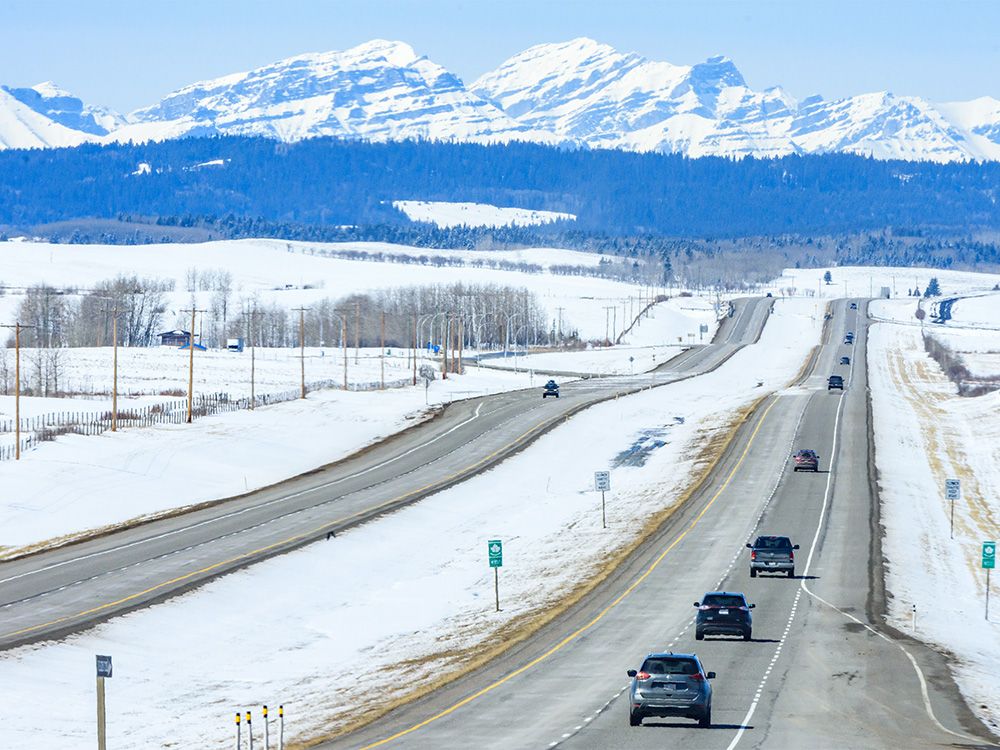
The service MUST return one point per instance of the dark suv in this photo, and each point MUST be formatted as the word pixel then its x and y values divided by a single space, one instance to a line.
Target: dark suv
pixel 772 554
pixel 835 381
pixel 670 685
pixel 723 613
pixel 550 389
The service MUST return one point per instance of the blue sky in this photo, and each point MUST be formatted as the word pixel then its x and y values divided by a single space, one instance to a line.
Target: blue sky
pixel 127 54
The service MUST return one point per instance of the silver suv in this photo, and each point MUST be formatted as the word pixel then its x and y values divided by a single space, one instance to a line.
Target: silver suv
pixel 670 685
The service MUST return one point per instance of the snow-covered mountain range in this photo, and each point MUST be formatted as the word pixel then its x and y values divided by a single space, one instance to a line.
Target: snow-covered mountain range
pixel 579 94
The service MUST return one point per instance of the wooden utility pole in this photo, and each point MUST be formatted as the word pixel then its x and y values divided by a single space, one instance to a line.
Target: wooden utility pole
pixel 414 349
pixel 343 339
pixel 114 386
pixel 194 311
pixel 382 353
pixel 445 341
pixel 461 343
pixel 357 329
pixel 251 316
pixel 17 387
pixel 302 347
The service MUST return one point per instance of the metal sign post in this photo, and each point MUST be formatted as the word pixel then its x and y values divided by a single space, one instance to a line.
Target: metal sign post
pixel 952 491
pixel 989 562
pixel 103 672
pixel 602 482
pixel 495 549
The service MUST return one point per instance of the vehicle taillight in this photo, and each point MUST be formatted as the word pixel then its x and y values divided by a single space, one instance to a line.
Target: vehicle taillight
pixel 643 676
pixel 753 554
pixel 791 555
pixel 744 609
pixel 697 677
pixel 705 607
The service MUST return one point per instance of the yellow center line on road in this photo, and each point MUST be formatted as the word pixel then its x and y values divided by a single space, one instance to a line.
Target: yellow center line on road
pixel 597 618
pixel 314 532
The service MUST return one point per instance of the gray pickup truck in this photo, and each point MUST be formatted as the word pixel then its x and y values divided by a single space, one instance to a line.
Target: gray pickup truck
pixel 772 554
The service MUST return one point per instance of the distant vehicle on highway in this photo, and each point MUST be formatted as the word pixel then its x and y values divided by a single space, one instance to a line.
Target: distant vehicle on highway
pixel 772 554
pixel 550 389
pixel 670 685
pixel 845 360
pixel 854 305
pixel 723 613
pixel 835 381
pixel 849 337
pixel 806 460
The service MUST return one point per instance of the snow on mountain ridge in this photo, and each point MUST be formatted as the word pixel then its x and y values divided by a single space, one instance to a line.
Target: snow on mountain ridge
pixel 579 92
pixel 379 90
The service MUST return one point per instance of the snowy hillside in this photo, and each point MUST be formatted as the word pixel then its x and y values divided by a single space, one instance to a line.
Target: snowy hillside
pixel 445 214
pixel 62 107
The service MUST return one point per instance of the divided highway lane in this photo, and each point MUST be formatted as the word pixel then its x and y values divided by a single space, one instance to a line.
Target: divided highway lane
pixel 811 676
pixel 66 589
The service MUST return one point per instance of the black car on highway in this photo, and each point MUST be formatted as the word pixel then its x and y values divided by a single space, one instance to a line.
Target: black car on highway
pixel 550 389
pixel 835 381
pixel 723 613
pixel 845 360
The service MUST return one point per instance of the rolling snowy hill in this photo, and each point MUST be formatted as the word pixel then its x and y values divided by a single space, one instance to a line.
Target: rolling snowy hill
pixel 577 93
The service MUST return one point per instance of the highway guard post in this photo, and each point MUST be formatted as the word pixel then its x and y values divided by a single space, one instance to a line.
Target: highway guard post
pixel 495 549
pixel 103 671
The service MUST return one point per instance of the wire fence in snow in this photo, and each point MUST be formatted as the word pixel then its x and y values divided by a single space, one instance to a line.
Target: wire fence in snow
pixel 49 426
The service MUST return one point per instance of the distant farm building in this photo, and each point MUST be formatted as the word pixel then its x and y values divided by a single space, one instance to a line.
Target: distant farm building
pixel 174 338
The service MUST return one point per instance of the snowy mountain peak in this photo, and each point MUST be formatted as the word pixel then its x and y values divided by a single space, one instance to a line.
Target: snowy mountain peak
pixel 579 91
pixel 379 90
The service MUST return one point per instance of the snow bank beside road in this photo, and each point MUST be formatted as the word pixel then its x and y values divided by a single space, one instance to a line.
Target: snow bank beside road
pixel 924 434
pixel 77 483
pixel 297 629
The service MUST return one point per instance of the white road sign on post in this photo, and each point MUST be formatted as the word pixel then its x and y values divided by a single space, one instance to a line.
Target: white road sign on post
pixel 952 491
pixel 602 482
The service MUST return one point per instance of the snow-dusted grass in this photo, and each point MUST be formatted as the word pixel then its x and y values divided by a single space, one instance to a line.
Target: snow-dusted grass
pixel 446 214
pixel 297 629
pixel 924 434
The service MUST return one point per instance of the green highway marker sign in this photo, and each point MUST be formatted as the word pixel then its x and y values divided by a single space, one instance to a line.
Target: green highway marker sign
pixel 495 548
pixel 989 555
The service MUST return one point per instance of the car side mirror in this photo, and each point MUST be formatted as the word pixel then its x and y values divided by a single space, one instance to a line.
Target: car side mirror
pixel 710 675
pixel 752 606
pixel 795 546
pixel 631 673
pixel 696 604
pixel 749 546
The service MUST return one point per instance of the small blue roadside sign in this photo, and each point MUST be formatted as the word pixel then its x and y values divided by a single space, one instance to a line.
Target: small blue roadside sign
pixel 103 666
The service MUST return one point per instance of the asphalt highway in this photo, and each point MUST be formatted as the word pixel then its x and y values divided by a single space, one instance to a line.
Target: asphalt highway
pixel 68 588
pixel 822 671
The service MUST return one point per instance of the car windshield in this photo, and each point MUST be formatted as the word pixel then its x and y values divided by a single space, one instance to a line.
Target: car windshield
pixel 723 600
pixel 772 542
pixel 662 665
pixel 806 453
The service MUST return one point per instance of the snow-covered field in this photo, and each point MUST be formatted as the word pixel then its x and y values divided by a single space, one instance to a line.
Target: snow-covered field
pixel 925 434
pixel 867 281
pixel 293 274
pixel 446 214
pixel 391 608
